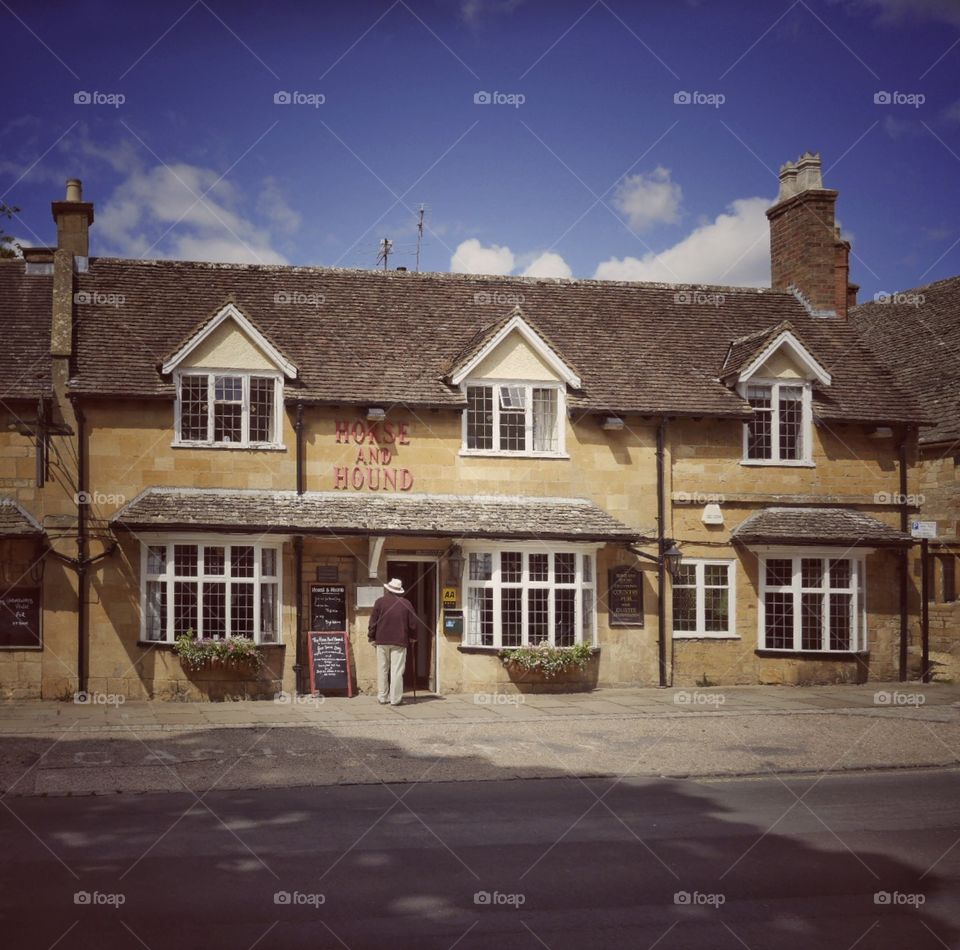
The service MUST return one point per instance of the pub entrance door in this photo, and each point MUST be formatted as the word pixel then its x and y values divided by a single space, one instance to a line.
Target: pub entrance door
pixel 419 579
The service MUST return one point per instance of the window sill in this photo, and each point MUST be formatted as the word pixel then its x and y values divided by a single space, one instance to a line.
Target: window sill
pixel 169 645
pixel 230 446
pixel 494 651
pixel 706 636
pixel 496 454
pixel 770 463
pixel 813 654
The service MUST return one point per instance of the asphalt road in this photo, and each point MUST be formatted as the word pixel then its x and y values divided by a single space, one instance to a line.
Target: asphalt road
pixel 865 861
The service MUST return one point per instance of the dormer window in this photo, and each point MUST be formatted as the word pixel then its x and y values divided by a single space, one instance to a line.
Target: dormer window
pixel 237 410
pixel 507 418
pixel 775 373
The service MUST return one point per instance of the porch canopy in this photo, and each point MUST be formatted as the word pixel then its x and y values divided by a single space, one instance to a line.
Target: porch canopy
pixel 341 513
pixel 17 522
pixel 831 526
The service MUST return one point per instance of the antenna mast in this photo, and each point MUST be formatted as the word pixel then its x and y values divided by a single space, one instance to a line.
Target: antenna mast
pixel 386 246
pixel 420 234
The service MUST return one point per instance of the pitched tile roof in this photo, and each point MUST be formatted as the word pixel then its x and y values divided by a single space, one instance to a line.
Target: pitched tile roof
pixel 26 303
pixel 917 338
pixel 373 337
pixel 16 521
pixel 834 526
pixel 340 513
pixel 743 351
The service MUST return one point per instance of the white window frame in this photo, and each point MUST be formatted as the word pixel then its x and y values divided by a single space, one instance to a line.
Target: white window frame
pixel 806 422
pixel 859 639
pixel 245 375
pixel 200 541
pixel 701 632
pixel 528 386
pixel 495 584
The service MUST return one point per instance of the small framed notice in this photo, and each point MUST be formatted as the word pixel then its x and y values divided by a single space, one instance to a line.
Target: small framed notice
pixel 20 617
pixel 328 607
pixel 625 597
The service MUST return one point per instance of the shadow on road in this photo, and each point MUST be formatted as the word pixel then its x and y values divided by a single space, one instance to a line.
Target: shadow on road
pixel 554 862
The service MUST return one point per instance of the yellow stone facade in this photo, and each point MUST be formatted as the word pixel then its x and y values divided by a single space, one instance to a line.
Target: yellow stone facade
pixel 129 446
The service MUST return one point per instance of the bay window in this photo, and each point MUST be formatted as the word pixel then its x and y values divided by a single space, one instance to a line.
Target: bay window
pixel 228 409
pixel 812 603
pixel 218 588
pixel 524 596
pixel 703 599
pixel 513 419
pixel 779 430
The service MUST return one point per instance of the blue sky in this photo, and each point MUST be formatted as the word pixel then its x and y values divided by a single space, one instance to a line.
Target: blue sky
pixel 585 165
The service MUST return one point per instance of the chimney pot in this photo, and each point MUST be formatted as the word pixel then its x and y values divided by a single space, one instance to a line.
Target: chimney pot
pixel 74 189
pixel 788 181
pixel 809 172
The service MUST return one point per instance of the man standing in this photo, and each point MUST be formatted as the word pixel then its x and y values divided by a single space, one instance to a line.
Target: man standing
pixel 393 624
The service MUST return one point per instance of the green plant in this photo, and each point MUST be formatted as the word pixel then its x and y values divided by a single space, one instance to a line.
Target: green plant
pixel 546 659
pixel 196 652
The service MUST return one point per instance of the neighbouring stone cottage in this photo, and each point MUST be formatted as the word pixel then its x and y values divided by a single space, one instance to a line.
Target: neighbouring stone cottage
pixel 698 482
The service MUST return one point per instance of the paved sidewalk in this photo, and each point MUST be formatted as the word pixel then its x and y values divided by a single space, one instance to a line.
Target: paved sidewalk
pixel 55 748
pixel 101 714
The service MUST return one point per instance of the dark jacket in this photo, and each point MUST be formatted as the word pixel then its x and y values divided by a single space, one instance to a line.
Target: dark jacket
pixel 393 621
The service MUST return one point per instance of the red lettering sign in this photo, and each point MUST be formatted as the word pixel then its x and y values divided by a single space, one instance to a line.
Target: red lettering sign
pixel 370 470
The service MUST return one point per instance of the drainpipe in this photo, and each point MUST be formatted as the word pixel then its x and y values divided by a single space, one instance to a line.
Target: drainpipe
pixel 904 562
pixel 661 566
pixel 298 552
pixel 82 547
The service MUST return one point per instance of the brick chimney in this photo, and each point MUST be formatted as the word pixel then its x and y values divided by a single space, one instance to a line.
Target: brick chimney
pixel 74 217
pixel 807 253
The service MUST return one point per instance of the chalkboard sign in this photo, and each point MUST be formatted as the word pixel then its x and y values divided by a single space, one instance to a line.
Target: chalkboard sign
pixel 20 617
pixel 328 607
pixel 329 661
pixel 625 597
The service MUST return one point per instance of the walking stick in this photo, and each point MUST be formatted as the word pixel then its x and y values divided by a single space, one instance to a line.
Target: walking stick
pixel 413 645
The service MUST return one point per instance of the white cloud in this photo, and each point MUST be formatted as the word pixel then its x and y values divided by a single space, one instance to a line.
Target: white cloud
pixel 732 249
pixel 471 257
pixel 548 264
pixel 159 212
pixel 647 200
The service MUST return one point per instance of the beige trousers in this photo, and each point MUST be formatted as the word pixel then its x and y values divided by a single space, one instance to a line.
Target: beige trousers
pixel 390 663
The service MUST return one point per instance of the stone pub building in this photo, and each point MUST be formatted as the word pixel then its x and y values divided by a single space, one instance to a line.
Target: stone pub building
pixel 701 483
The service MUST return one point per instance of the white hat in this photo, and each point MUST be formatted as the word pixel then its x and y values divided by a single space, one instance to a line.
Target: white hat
pixel 395 586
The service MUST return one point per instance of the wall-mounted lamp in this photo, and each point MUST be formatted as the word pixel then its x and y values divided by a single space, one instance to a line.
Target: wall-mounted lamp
pixel 613 424
pixel 376 414
pixel 670 557
pixel 455 562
